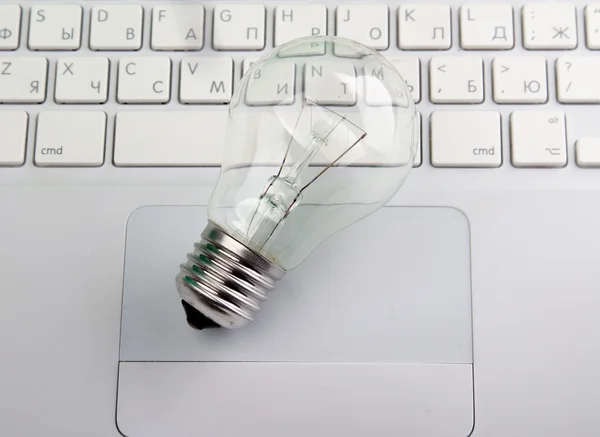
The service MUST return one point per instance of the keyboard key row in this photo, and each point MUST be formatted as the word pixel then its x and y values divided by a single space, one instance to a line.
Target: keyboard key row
pixel 63 138
pixel 209 80
pixel 243 26
pixel 171 138
pixel 473 139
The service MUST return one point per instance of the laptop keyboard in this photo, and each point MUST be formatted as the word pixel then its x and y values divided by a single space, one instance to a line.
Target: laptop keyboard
pixel 136 84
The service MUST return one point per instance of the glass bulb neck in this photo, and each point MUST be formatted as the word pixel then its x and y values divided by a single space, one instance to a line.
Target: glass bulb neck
pixel 223 281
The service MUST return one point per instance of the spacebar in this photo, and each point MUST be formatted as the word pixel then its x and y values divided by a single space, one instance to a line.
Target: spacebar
pixel 169 138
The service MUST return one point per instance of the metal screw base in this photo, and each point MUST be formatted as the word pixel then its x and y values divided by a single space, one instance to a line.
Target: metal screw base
pixel 224 281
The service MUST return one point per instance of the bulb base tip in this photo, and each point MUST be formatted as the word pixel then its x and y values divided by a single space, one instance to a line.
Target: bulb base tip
pixel 223 282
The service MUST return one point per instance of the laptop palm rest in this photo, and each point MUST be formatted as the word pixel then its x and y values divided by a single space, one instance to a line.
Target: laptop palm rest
pixel 371 335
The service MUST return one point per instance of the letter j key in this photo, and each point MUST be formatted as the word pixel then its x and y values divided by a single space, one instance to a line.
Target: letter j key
pixel 367 24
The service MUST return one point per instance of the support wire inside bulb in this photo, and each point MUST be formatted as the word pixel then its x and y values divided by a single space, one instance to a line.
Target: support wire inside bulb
pixel 284 190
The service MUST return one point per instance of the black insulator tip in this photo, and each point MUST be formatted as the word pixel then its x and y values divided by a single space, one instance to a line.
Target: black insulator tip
pixel 196 319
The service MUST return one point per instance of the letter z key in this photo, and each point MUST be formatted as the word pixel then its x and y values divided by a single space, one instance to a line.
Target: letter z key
pixel 23 79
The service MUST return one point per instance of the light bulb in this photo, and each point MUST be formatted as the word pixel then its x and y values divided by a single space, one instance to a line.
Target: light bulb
pixel 322 132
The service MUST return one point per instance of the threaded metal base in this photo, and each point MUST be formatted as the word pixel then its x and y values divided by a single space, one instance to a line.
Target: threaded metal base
pixel 224 280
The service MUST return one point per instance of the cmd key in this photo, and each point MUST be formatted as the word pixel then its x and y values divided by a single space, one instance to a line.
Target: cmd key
pixel 70 139
pixel 13 138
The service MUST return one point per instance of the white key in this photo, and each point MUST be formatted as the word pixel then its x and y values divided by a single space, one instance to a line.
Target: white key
pixel 419 156
pixel 23 80
pixel 81 80
pixel 70 138
pixel 592 26
pixel 538 139
pixel 296 21
pixel 170 138
pixel 239 27
pixel 330 82
pixel 13 125
pixel 144 80
pixel 549 26
pixel 424 27
pixel 577 79
pixel 456 79
pixel 116 27
pixel 518 79
pixel 206 80
pixel 367 24
pixel 272 84
pixel 55 27
pixel 486 26
pixel 247 64
pixel 466 139
pixel 177 27
pixel 587 152
pixel 380 90
pixel 410 70
pixel 10 26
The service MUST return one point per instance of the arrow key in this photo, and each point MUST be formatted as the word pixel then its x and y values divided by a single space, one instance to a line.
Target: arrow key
pixel 10 23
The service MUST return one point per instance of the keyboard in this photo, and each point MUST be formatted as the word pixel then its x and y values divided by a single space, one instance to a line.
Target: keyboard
pixel 133 85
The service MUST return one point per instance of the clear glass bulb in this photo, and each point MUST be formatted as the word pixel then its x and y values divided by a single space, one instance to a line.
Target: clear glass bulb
pixel 321 133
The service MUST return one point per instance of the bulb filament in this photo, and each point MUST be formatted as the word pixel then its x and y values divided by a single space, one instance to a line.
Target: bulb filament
pixel 283 192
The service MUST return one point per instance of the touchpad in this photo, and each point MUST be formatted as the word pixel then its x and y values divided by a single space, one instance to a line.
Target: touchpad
pixel 371 335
